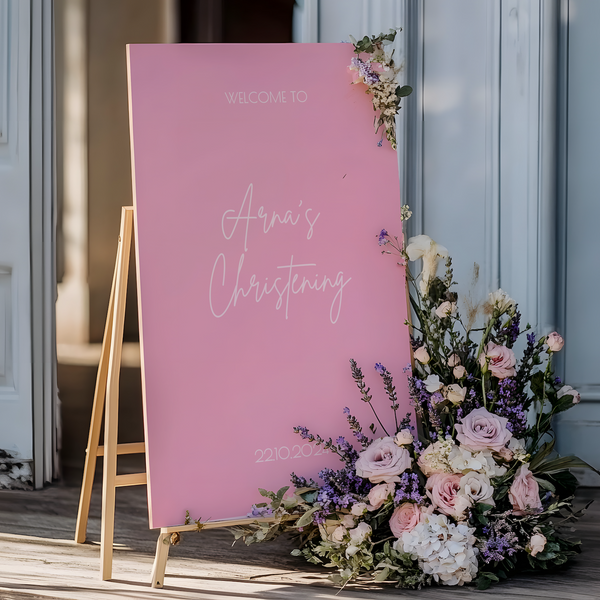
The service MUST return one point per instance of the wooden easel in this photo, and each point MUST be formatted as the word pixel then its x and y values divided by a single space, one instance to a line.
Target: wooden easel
pixel 107 395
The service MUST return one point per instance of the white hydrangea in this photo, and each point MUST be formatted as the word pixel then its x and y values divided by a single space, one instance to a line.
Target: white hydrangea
pixel 444 550
pixel 462 460
pixel 489 466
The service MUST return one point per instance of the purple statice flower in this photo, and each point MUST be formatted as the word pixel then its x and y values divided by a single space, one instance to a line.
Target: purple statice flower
pixel 433 435
pixel 500 541
pixel 531 338
pixel 346 410
pixel 418 447
pixel 513 330
pixel 383 237
pixel 380 368
pixel 365 70
pixel 510 405
pixel 264 511
pixel 340 488
pixel 407 368
pixel 557 381
pixel 408 489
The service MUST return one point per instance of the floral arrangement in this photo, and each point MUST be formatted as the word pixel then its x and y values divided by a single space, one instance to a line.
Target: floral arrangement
pixel 375 68
pixel 475 491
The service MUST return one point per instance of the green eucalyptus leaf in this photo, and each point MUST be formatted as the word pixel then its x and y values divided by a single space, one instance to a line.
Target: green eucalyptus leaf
pixel 404 91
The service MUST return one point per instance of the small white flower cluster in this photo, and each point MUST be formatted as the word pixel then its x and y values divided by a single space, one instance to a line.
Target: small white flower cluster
pixel 444 550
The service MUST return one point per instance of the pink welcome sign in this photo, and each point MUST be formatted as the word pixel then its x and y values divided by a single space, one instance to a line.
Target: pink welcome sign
pixel 259 194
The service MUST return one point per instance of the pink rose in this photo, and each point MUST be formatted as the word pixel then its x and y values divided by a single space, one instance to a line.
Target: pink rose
pixel 482 430
pixel 442 489
pixel 379 494
pixel 405 518
pixel 555 342
pixel 383 461
pixel 453 360
pixel 524 493
pixel 500 360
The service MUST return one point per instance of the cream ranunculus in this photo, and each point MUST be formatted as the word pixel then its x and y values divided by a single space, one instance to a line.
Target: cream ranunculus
pixel 404 438
pixel 360 533
pixel 453 360
pixel 455 393
pixel 422 355
pixel 536 544
pixel 445 309
pixel 359 509
pixel 459 372
pixel 422 246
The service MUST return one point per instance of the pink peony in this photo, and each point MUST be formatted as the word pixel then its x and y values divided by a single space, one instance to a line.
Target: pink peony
pixel 379 494
pixel 524 493
pixel 555 342
pixel 442 489
pixel 500 360
pixel 405 518
pixel 482 430
pixel 383 461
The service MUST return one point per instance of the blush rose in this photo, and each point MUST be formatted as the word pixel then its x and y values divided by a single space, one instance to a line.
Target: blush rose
pixel 555 342
pixel 379 495
pixel 483 430
pixel 383 461
pixel 405 518
pixel 524 493
pixel 500 360
pixel 443 490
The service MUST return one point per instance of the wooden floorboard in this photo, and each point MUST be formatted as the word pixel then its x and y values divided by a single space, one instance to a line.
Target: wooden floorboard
pixel 39 560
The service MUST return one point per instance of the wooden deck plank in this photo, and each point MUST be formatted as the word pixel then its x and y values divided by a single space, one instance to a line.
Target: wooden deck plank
pixel 38 559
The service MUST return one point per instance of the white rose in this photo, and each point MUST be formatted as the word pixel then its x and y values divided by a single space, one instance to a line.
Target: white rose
pixel 360 533
pixel 338 534
pixel 359 509
pixel 422 355
pixel 567 390
pixel 537 543
pixel 459 372
pixel 404 437
pixel 455 393
pixel 445 309
pixel 433 384
pixel 477 486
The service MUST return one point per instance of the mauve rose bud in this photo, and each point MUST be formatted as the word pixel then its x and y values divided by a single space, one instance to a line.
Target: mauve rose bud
pixel 555 342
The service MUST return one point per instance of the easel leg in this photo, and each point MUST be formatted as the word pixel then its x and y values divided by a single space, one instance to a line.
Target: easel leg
pixel 96 422
pixel 160 560
pixel 112 396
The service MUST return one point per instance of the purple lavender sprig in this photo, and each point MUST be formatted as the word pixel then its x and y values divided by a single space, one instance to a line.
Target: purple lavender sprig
pixel 390 390
pixel 358 377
